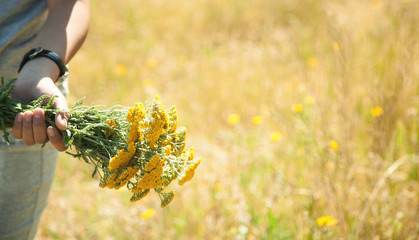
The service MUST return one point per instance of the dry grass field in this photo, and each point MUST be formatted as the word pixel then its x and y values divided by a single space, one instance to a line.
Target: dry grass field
pixel 305 114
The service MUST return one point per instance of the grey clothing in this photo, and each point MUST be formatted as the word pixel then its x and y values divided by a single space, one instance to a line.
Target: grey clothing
pixel 20 21
pixel 26 173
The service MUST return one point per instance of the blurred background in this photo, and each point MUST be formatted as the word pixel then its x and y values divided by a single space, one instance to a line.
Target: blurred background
pixel 305 115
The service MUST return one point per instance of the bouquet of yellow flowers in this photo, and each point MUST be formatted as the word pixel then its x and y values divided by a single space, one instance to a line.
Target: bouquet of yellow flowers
pixel 141 148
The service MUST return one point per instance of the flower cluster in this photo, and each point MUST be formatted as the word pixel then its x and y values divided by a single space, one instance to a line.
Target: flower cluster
pixel 153 156
pixel 141 148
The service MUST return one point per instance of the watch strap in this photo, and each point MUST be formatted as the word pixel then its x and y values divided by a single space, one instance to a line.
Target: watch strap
pixel 40 52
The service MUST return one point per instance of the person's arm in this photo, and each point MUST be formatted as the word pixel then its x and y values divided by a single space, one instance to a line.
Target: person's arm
pixel 63 32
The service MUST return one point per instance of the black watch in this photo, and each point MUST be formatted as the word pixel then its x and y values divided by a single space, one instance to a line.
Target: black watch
pixel 40 52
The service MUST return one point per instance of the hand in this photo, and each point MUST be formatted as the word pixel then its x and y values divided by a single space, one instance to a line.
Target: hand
pixel 35 80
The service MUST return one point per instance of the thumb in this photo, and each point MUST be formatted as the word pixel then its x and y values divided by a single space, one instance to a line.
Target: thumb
pixel 61 118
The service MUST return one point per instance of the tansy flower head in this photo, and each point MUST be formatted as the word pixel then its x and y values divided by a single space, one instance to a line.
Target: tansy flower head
pixel 153 163
pixel 326 221
pixel 218 186
pixel 166 198
pixel 172 119
pixel 178 141
pixel 376 111
pixel 190 172
pixel 256 120
pixel 123 157
pixel 158 123
pixel 275 136
pixel 121 70
pixel 148 213
pixel 309 100
pixel 140 195
pixel 233 119
pixel 297 107
pixel 312 62
pixel 333 145
pixel 112 124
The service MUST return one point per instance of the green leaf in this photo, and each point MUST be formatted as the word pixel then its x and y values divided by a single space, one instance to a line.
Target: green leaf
pixel 79 102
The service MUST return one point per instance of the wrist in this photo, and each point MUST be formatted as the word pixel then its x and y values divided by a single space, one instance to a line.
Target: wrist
pixel 39 68
pixel 37 53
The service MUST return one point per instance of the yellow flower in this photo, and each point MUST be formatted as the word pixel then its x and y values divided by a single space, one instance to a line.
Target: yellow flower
pixel 333 145
pixel 309 100
pixel 159 122
pixel 152 178
pixel 275 136
pixel 233 119
pixel 190 172
pixel 172 119
pixel 121 70
pixel 257 120
pixel 312 62
pixel 376 111
pixel 152 163
pixel 112 124
pixel 138 196
pixel 218 186
pixel 148 213
pixel 326 221
pixel 123 157
pixel 297 107
pixel 167 198
pixel 178 141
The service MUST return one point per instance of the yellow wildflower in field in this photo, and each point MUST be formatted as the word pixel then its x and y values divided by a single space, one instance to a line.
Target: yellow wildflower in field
pixel 376 111
pixel 233 119
pixel 121 70
pixel 333 145
pixel 148 213
pixel 256 120
pixel 275 136
pixel 312 62
pixel 326 221
pixel 297 107
pixel 218 186
pixel 309 100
